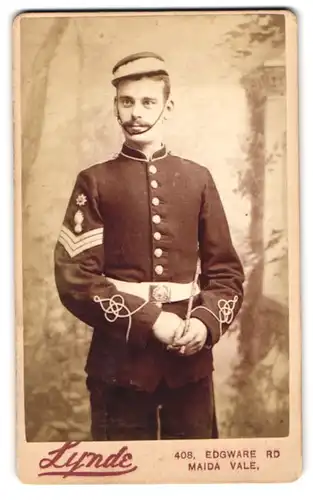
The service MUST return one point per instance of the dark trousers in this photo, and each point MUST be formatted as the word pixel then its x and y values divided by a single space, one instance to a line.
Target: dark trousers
pixel 125 413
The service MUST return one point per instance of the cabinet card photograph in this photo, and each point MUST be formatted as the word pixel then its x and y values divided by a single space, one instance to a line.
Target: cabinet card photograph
pixel 157 247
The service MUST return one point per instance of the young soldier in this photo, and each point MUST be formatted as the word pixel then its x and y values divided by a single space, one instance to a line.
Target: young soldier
pixel 126 264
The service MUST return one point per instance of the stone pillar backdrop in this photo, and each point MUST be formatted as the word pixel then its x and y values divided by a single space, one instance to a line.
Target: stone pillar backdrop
pixel 226 118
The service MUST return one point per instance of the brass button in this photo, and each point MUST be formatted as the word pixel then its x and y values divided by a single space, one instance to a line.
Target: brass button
pixel 152 169
pixel 155 201
pixel 158 270
pixel 157 236
pixel 158 252
pixel 154 184
pixel 156 219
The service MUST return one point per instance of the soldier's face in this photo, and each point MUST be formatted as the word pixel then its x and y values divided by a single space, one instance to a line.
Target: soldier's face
pixel 140 104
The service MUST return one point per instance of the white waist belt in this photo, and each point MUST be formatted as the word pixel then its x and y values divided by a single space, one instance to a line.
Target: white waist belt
pixel 157 291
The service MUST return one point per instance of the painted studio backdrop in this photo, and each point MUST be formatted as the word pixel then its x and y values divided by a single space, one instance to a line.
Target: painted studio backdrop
pixel 228 77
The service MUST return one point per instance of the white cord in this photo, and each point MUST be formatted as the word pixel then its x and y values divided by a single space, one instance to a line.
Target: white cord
pixel 115 308
pixel 225 311
pixel 117 305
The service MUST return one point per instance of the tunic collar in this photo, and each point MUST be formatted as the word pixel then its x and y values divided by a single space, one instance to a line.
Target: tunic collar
pixel 135 154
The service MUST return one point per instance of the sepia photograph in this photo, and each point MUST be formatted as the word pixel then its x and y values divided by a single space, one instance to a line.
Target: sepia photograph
pixel 154 236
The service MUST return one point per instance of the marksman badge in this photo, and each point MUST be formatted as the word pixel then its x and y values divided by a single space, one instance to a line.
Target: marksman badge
pixel 78 219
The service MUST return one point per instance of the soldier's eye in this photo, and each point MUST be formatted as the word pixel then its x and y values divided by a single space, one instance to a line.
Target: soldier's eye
pixel 126 102
pixel 148 102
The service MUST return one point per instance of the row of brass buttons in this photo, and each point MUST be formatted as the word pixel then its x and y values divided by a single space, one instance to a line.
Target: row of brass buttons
pixel 156 219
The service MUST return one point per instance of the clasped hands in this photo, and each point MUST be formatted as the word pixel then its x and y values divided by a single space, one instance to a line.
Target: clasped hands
pixel 170 330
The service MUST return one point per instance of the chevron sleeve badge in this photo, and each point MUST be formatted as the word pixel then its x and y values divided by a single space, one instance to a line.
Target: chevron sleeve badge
pixel 74 245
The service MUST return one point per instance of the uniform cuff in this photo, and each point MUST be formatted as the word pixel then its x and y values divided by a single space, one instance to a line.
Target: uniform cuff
pixel 211 325
pixel 141 332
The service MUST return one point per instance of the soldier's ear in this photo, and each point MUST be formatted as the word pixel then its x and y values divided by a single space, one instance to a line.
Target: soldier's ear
pixel 169 107
pixel 115 107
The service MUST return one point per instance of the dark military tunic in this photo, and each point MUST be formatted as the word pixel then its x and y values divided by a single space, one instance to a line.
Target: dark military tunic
pixel 145 220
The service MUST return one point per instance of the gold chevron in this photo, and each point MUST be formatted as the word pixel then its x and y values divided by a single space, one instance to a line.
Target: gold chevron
pixel 74 245
pixel 77 238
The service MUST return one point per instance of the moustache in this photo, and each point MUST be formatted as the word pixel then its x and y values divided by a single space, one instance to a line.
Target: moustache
pixel 134 123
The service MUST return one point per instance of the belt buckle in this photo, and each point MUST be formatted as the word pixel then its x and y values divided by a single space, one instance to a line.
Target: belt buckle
pixel 159 293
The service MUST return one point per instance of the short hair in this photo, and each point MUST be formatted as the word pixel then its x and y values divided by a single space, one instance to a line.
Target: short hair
pixel 155 76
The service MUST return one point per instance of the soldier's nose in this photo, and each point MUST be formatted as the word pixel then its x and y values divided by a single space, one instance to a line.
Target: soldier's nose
pixel 136 112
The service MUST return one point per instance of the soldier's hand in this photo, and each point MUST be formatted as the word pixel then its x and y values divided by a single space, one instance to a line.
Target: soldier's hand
pixel 168 327
pixel 193 339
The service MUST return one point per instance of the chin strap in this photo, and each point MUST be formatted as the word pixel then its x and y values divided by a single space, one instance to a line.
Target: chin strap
pixel 146 129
